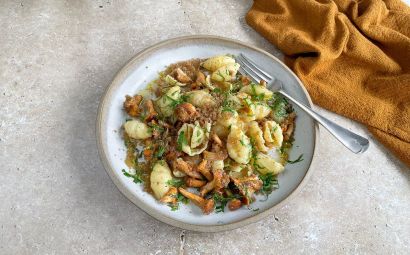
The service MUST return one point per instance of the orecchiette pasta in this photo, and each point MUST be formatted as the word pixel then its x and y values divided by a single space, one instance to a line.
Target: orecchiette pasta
pixel 201 98
pixel 171 81
pixel 193 138
pixel 261 111
pixel 272 134
pixel 160 177
pixel 255 132
pixel 198 136
pixel 266 164
pixel 227 119
pixel 165 102
pixel 253 111
pixel 212 64
pixel 234 102
pixel 137 129
pixel 248 111
pixel 257 90
pixel 208 82
pixel 225 73
pixel 238 145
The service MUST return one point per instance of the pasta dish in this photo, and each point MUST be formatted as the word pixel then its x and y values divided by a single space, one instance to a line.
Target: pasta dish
pixel 204 133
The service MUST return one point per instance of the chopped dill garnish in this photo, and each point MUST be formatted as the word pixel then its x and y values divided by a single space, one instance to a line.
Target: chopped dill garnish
pixel 299 159
pixel 182 199
pixel 175 182
pixel 156 127
pixel 254 155
pixel 176 102
pixel 136 177
pixel 254 94
pixel 174 207
pixel 217 90
pixel 286 146
pixel 270 182
pixel 160 152
pixel 279 106
pixel 228 105
pixel 181 140
pixel 142 116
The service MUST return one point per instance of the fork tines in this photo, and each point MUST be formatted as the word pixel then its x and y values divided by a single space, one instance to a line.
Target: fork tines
pixel 251 69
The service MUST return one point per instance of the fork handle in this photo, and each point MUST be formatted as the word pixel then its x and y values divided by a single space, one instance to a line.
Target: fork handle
pixel 352 141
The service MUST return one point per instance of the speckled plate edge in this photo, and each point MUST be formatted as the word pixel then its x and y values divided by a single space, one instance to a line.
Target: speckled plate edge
pixel 111 172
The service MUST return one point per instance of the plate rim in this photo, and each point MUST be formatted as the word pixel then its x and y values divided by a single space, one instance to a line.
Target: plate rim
pixel 102 112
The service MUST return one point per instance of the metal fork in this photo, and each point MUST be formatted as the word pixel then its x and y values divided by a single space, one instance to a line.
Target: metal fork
pixel 352 141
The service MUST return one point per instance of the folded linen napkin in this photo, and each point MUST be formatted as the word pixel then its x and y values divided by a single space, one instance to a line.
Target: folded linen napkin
pixel 353 56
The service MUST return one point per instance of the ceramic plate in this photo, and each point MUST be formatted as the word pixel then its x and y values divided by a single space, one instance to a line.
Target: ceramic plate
pixel 143 68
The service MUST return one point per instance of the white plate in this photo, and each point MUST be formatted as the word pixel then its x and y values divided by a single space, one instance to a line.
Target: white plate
pixel 143 68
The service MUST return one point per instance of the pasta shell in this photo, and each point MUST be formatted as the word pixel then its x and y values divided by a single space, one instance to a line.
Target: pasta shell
pixel 201 98
pixel 208 83
pixel 238 145
pixel 255 132
pixel 266 164
pixel 261 111
pixel 248 112
pixel 213 63
pixel 226 120
pixel 225 73
pixel 198 136
pixel 164 103
pixel 189 131
pixel 272 133
pixel 159 178
pixel 257 91
pixel 137 129
pixel 173 82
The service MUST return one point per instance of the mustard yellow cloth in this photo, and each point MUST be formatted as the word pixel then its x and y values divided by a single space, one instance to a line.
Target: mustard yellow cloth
pixel 352 56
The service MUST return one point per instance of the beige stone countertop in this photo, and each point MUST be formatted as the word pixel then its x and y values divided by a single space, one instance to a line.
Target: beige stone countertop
pixel 56 59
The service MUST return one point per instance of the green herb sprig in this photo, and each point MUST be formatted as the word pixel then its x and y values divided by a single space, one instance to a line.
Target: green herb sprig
pixel 181 140
pixel 159 152
pixel 299 159
pixel 136 177
pixel 175 183
pixel 176 102
pixel 278 105
pixel 222 201
pixel 270 182
pixel 180 199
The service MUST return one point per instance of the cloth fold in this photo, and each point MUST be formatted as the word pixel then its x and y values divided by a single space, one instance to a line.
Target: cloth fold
pixel 352 56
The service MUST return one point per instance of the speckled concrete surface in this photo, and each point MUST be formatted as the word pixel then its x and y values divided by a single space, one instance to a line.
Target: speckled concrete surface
pixel 56 59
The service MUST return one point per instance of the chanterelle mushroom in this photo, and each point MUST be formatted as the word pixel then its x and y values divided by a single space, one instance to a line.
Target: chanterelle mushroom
pixel 131 105
pixel 195 183
pixel 185 112
pixel 207 205
pixel 247 186
pixel 205 170
pixel 182 76
pixel 151 111
pixel 170 196
pixel 220 181
pixel 181 165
